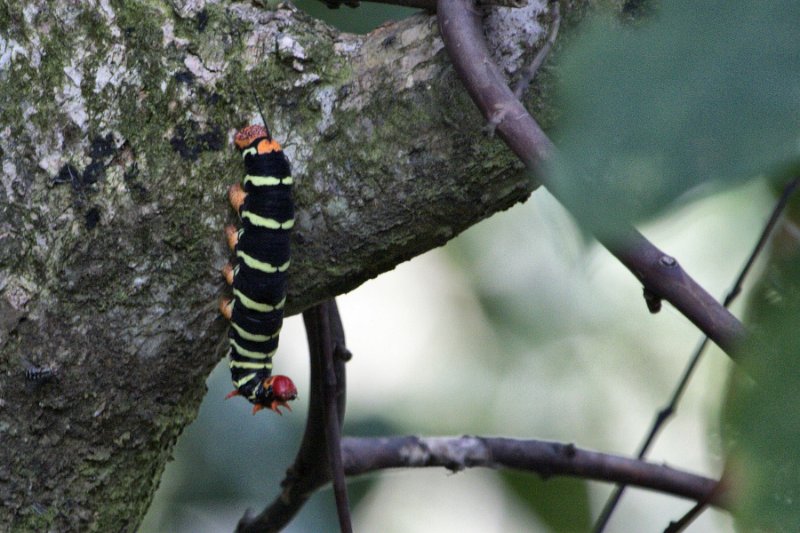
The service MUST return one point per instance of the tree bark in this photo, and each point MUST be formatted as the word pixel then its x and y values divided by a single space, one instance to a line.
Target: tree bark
pixel 116 122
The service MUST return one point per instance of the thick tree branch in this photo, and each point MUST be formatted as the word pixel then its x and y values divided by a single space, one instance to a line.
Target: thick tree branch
pixel 661 275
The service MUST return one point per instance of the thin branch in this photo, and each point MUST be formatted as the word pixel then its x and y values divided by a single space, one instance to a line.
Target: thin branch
pixel 333 421
pixel 529 73
pixel 311 468
pixel 667 412
pixel 780 205
pixel 696 510
pixel 363 455
pixel 461 30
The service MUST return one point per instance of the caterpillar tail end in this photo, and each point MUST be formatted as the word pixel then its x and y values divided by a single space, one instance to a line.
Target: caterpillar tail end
pixel 234 392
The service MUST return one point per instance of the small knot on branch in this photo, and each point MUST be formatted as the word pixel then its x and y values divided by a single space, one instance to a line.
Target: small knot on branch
pixel 652 300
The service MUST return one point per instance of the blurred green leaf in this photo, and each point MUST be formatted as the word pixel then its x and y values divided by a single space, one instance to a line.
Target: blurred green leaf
pixel 707 92
pixel 763 411
pixel 560 503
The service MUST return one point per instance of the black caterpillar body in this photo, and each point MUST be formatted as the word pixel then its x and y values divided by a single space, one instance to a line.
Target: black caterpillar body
pixel 258 275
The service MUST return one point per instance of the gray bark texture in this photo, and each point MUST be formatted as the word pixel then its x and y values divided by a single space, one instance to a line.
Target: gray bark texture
pixel 116 121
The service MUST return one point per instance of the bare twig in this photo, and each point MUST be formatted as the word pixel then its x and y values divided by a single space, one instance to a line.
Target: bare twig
pixel 333 421
pixel 661 274
pixel 529 73
pixel 665 413
pixel 780 205
pixel 311 467
pixel 363 455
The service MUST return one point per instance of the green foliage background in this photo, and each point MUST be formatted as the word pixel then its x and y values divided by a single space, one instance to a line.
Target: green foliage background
pixel 706 94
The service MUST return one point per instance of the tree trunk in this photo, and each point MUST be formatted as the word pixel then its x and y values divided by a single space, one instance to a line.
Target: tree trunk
pixel 116 122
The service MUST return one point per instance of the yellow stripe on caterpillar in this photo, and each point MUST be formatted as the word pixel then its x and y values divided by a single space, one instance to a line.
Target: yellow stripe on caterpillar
pixel 246 335
pixel 269 223
pixel 244 380
pixel 250 354
pixel 257 306
pixel 261 265
pixel 260 181
pixel 248 151
pixel 248 364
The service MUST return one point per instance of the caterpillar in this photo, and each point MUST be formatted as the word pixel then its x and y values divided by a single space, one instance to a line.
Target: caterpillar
pixel 40 375
pixel 258 275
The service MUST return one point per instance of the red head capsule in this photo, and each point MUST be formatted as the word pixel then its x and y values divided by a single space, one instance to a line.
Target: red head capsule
pixel 245 136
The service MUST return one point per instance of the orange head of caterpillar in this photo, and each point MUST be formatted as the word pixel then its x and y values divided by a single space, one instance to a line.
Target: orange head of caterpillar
pixel 247 137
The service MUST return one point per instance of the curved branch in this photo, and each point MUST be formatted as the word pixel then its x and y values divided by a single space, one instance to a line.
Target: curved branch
pixel 334 387
pixel 363 455
pixel 661 275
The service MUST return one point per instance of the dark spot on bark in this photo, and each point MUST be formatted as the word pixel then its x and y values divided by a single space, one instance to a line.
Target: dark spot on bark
pixel 202 20
pixel 102 147
pixel 92 217
pixel 131 178
pixel 184 76
pixel 68 174
pixel 345 90
pixel 213 98
pixel 94 172
pixel 190 143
